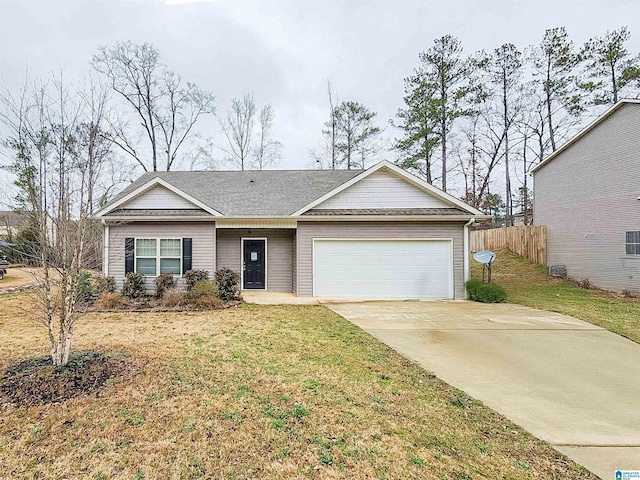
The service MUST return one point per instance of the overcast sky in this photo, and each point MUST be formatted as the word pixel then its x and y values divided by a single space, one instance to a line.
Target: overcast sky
pixel 284 51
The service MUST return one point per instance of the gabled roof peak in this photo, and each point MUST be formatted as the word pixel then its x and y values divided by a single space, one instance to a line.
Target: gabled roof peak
pixel 614 108
pixel 260 193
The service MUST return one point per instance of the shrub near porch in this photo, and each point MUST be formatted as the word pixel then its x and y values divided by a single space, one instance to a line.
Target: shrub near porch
pixel 257 392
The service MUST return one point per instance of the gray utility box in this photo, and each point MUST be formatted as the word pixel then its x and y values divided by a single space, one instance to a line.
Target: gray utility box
pixel 558 271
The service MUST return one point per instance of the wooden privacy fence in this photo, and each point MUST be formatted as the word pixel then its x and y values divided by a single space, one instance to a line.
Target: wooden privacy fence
pixel 528 241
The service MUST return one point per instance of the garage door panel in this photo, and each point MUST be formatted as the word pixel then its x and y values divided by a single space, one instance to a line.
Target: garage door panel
pixel 382 268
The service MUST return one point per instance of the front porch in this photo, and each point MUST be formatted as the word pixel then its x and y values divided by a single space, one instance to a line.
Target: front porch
pixel 265 257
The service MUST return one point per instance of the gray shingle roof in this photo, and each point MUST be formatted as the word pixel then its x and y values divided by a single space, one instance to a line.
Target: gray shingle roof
pixel 14 219
pixel 252 193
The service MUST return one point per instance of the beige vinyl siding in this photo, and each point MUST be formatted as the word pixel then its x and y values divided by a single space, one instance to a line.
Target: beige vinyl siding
pixel 588 199
pixel 159 198
pixel 279 254
pixel 382 189
pixel 203 237
pixel 307 231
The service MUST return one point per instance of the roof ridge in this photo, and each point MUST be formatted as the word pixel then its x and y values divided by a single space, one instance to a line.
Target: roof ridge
pixel 341 170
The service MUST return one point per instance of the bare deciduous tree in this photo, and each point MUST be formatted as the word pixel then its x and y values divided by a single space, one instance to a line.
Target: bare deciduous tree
pixel 330 130
pixel 55 137
pixel 166 107
pixel 246 149
pixel 267 150
pixel 237 127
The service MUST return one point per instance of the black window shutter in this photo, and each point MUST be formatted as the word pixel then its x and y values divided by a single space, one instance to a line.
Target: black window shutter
pixel 129 251
pixel 186 255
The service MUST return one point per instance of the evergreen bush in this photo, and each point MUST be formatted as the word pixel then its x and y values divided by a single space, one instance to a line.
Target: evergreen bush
pixel 228 283
pixel 133 286
pixel 485 292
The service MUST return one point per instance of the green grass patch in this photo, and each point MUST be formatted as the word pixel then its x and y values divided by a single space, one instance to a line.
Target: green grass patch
pixel 528 284
pixel 288 392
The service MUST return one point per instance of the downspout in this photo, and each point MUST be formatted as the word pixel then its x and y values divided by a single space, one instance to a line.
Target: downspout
pixel 467 254
pixel 105 247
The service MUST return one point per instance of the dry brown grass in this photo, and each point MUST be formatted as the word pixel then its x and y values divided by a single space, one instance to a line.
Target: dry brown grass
pixel 109 301
pixel 21 276
pixel 257 392
pixel 174 298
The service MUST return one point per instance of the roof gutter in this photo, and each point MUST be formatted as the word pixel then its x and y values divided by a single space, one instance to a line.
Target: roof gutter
pixel 105 242
pixel 394 218
pixel 150 218
pixel 306 218
pixel 467 254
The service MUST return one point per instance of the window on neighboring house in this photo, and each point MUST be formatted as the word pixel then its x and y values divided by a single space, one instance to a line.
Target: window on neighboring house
pixel 154 256
pixel 633 243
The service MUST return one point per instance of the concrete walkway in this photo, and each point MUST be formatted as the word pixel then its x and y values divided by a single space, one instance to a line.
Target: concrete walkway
pixel 268 297
pixel 568 382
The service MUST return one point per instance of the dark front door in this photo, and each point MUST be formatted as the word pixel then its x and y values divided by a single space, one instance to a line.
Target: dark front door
pixel 254 264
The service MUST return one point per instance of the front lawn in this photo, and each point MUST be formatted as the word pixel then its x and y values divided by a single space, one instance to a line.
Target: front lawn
pixel 529 284
pixel 255 392
pixel 18 277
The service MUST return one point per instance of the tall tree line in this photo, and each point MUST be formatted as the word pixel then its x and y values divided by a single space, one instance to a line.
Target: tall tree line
pixel 467 117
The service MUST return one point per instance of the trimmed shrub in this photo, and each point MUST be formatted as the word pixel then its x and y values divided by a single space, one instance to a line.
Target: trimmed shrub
pixel 133 286
pixel 104 285
pixel 204 294
pixel 485 292
pixel 109 301
pixel 174 298
pixel 164 282
pixel 193 276
pixel 228 283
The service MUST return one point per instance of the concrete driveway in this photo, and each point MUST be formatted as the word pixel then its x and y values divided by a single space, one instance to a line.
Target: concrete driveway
pixel 568 382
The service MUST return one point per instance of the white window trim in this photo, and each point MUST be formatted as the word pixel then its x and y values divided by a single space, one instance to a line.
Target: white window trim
pixel 626 244
pixel 157 255
pixel 266 263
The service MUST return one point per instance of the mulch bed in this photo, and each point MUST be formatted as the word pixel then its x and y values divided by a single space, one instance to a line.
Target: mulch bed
pixel 36 381
pixel 154 305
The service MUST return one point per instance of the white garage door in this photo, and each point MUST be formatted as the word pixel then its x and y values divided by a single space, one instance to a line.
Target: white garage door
pixel 383 268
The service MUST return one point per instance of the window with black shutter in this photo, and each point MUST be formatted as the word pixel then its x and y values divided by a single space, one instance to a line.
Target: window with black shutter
pixel 154 256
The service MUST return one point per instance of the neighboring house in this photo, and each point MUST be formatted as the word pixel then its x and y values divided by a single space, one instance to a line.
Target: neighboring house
pixel 376 233
pixel 587 193
pixel 12 222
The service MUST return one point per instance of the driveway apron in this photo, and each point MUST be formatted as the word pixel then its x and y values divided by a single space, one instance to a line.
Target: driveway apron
pixel 568 382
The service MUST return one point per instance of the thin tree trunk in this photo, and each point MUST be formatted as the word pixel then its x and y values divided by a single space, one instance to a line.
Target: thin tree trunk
pixel 614 84
pixel 507 178
pixel 443 126
pixel 525 196
pixel 427 157
pixel 549 120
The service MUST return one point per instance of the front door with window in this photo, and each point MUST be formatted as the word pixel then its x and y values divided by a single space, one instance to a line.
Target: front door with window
pixel 254 263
